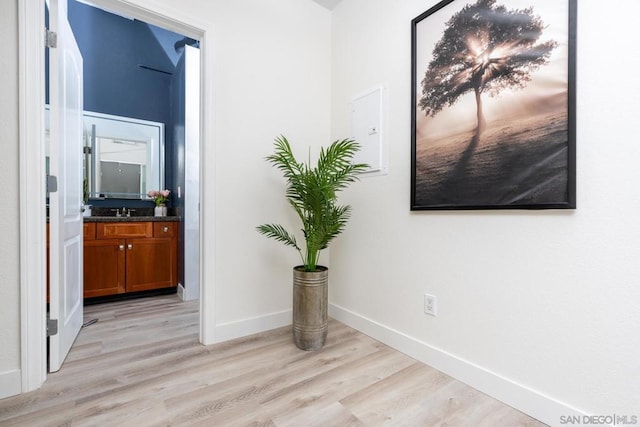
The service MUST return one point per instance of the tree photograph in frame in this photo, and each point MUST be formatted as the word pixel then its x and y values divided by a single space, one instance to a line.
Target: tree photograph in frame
pixel 493 105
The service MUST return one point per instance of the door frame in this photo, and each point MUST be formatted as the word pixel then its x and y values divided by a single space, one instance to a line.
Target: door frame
pixel 32 179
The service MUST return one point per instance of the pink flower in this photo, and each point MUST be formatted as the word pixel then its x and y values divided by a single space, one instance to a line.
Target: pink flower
pixel 160 197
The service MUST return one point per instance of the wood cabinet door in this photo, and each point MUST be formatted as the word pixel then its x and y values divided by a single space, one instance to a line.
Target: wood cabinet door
pixel 104 267
pixel 151 263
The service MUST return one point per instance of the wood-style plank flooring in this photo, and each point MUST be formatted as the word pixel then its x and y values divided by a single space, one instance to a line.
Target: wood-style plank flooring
pixel 141 365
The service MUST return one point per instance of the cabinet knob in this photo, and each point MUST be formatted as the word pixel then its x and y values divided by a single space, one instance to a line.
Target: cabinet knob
pixel 130 246
pixel 165 229
pixel 121 247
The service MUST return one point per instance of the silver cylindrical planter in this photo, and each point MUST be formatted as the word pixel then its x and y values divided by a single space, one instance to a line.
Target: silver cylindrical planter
pixel 310 301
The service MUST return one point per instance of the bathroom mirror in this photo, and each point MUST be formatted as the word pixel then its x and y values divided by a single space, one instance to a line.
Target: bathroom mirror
pixel 123 157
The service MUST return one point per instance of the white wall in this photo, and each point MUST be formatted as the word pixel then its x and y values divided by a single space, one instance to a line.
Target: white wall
pixel 538 308
pixel 9 211
pixel 273 78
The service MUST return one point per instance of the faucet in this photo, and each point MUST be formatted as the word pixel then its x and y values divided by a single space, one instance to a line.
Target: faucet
pixel 124 212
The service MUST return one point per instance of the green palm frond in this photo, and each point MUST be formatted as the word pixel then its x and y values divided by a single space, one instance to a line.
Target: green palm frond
pixel 279 233
pixel 312 192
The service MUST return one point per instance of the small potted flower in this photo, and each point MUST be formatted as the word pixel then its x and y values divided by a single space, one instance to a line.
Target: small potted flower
pixel 160 198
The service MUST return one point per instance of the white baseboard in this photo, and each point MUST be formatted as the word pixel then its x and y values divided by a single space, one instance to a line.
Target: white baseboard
pixel 254 325
pixel 531 402
pixel 10 383
pixel 187 294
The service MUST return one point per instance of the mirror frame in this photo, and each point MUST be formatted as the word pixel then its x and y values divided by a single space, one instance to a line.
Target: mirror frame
pixel 118 121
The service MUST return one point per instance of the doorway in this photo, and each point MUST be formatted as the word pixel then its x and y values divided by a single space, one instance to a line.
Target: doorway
pixel 32 192
pixel 135 71
pixel 142 82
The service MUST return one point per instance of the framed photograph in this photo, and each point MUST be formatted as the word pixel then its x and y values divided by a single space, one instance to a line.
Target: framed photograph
pixel 493 105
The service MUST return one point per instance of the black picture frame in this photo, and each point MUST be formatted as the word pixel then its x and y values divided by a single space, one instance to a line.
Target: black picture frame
pixel 493 105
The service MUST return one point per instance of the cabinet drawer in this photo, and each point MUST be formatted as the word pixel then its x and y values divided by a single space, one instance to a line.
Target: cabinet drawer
pixel 123 230
pixel 89 230
pixel 164 229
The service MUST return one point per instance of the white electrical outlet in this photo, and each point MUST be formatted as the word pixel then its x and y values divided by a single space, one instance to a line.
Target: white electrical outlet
pixel 430 306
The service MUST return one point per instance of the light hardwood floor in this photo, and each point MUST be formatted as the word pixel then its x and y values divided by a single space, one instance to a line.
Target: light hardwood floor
pixel 141 365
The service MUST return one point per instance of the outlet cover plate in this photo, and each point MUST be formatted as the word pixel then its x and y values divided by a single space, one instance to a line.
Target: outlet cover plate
pixel 430 304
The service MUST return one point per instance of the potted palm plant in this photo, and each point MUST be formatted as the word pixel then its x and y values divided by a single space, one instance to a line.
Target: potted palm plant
pixel 312 192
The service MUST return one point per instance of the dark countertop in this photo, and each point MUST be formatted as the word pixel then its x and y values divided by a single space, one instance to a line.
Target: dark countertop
pixel 130 218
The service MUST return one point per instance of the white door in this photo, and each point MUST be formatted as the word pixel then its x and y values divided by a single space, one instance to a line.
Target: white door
pixel 65 217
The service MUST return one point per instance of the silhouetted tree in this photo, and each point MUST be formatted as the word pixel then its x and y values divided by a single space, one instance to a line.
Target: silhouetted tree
pixel 484 48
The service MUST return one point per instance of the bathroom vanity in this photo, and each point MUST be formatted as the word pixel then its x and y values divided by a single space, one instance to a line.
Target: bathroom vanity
pixel 125 250
pixel 123 255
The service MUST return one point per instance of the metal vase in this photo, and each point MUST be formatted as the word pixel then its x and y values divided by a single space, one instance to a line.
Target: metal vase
pixel 310 301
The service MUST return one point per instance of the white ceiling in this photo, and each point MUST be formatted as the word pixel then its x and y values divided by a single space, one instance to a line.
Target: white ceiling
pixel 329 4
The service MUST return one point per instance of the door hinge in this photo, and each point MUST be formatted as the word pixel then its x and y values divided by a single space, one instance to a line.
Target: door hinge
pixel 50 39
pixel 52 327
pixel 52 183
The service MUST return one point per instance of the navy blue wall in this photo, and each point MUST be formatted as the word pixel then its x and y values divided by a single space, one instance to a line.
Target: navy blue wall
pixel 114 49
pixel 126 71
